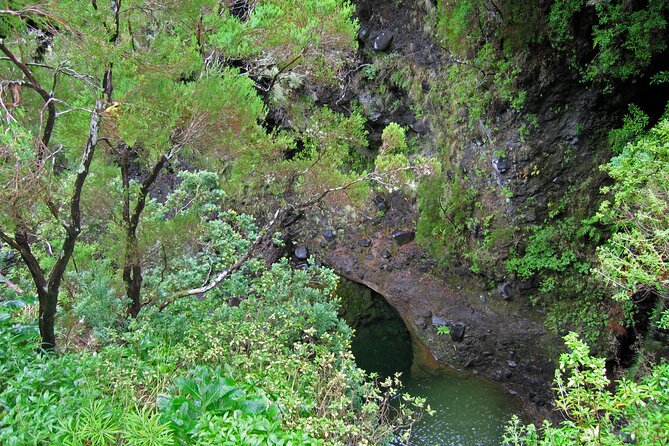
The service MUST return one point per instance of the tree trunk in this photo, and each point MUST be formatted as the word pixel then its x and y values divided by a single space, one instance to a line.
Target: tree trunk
pixel 132 276
pixel 47 319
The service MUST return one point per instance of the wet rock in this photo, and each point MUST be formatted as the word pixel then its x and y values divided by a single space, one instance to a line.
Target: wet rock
pixel 505 290
pixel 364 243
pixel 457 331
pixel 386 254
pixel 511 364
pixel 363 33
pixel 402 237
pixel 329 235
pixel 497 375
pixel 439 321
pixel 301 253
pixel 500 165
pixel 382 41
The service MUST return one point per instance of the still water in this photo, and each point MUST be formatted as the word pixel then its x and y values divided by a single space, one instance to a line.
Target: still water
pixel 469 411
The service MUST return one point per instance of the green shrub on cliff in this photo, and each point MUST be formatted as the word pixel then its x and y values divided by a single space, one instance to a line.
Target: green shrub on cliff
pixel 626 36
pixel 595 414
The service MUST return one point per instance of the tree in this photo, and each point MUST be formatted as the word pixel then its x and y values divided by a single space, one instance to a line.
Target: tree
pixel 25 166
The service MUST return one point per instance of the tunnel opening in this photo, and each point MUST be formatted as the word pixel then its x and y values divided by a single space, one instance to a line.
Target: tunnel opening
pixel 382 343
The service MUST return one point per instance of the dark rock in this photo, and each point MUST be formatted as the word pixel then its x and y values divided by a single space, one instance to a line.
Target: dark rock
pixel 386 254
pixel 500 165
pixel 487 354
pixel 505 290
pixel 381 203
pixel 425 86
pixel 420 127
pixel 364 243
pixel 382 41
pixel 497 375
pixel 302 265
pixel 403 237
pixel 424 314
pixel 301 253
pixel 457 331
pixel 329 235
pixel 361 275
pixel 511 364
pixel 234 301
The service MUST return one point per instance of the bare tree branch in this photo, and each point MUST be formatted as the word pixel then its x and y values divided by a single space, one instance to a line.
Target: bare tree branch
pixel 48 98
pixel 271 224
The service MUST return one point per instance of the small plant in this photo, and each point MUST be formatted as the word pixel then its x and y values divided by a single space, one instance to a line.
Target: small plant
pixel 444 330
pixel 507 192
pixel 499 154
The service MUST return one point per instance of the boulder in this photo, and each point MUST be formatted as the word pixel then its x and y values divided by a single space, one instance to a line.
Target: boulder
pixel 301 253
pixel 505 290
pixel 457 331
pixel 382 41
pixel 402 237
pixel 500 165
pixel 329 235
pixel 364 243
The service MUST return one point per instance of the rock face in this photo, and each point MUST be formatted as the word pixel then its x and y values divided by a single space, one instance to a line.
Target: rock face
pixel 484 333
pixel 497 333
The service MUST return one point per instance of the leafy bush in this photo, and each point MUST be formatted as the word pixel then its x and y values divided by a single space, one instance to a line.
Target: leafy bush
pixel 594 414
pixel 626 36
pixel 635 257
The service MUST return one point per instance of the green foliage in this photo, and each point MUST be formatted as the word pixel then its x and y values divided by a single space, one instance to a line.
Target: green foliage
pixel 443 330
pixel 635 257
pixel 393 139
pixel 625 38
pixel 594 414
pixel 446 207
pixel 556 258
pixel 313 32
pixel 465 24
pixel 215 370
pixel 98 303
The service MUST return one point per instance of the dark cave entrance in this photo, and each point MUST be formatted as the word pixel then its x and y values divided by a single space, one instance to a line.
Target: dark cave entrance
pixel 382 343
